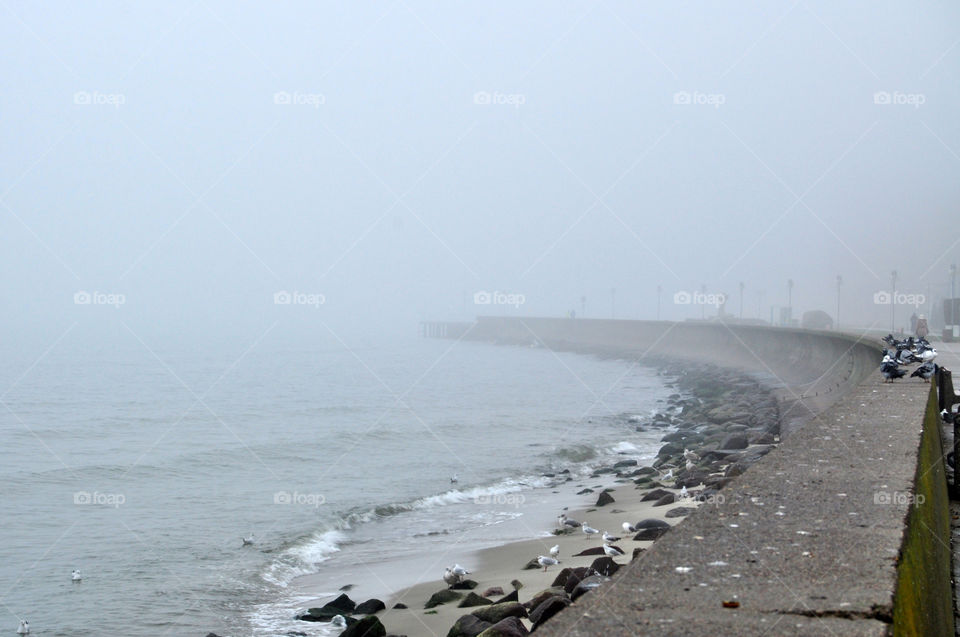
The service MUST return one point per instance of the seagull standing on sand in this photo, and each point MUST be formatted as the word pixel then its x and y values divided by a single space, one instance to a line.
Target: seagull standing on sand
pixel 628 528
pixel 545 561
pixel 555 550
pixel 75 576
pixel 459 571
pixel 24 628
pixel 589 530
pixel 609 538
pixel 612 551
pixel 450 577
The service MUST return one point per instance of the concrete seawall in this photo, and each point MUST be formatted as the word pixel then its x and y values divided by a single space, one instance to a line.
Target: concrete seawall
pixel 842 530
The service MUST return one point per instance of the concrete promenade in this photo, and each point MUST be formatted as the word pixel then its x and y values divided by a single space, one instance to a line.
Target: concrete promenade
pixel 842 530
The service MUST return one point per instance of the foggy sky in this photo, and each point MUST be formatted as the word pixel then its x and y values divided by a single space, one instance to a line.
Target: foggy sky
pixel 397 158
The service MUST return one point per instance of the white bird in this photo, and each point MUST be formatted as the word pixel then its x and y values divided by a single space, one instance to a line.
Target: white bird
pixel 450 577
pixel 247 541
pixel 589 530
pixel 454 479
pixel 565 521
pixel 24 628
pixel 555 550
pixel 545 561
pixel 690 466
pixel 667 476
pixel 690 455
pixel 459 571
pixel 75 576
pixel 683 493
pixel 338 621
pixel 609 538
pixel 928 355
pixel 612 551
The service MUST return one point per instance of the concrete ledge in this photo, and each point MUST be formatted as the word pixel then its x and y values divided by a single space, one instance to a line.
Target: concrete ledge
pixel 825 535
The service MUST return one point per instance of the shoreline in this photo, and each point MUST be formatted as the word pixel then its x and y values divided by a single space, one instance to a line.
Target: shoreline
pixel 710 408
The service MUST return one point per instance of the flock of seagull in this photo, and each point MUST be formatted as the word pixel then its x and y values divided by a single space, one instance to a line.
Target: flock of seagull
pixel 905 352
pixel 24 627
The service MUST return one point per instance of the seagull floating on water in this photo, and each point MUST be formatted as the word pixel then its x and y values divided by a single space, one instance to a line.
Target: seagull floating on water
pixel 555 550
pixel 454 479
pixel 612 551
pixel 338 621
pixel 75 576
pixel 609 538
pixel 24 628
pixel 545 561
pixel 247 541
pixel 589 530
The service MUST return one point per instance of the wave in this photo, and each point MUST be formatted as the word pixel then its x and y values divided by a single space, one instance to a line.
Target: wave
pixel 303 556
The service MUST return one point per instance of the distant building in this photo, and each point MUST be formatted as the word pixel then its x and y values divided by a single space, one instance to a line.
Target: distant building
pixel 816 320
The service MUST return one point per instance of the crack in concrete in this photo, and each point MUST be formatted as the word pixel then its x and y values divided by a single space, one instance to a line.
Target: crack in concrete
pixel 882 613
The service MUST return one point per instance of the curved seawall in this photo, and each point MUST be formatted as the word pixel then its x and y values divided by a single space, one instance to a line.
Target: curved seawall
pixel 841 530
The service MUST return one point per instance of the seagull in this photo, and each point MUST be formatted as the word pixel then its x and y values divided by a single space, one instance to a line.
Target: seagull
pixel 450 577
pixel 690 466
pixel 628 528
pixel 684 493
pixel 589 530
pixel 611 551
pixel 609 538
pixel 555 550
pixel 454 479
pixel 928 355
pixel 75 576
pixel 545 561
pixel 925 371
pixel 247 541
pixel 565 521
pixel 690 455
pixel 667 476
pixel 459 571
pixel 24 628
pixel 338 621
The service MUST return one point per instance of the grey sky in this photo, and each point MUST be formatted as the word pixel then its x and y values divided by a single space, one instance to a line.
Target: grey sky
pixel 432 150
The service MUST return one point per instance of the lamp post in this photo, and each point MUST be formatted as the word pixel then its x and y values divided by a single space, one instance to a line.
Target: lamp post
pixel 741 300
pixel 659 292
pixel 893 301
pixel 839 283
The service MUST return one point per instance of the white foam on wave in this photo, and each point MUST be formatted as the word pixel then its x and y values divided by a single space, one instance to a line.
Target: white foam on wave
pixel 625 447
pixel 303 557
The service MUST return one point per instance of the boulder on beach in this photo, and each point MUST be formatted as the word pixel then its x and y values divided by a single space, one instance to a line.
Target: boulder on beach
pixel 655 494
pixel 604 499
pixel 369 626
pixel 512 596
pixel 735 441
pixel 625 463
pixel 605 566
pixel 468 626
pixel 669 498
pixel 652 533
pixel 369 607
pixel 565 573
pixel 531 564
pixel 544 595
pixel 472 599
pixel 650 523
pixel 493 591
pixel 548 608
pixel 507 627
pixel 576 577
pixel 442 597
pixel 496 612
pixel 593 550
pixel 400 606
pixel 679 512
pixel 465 585
pixel 586 585
pixel 344 603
